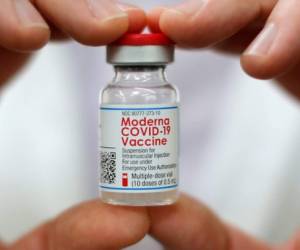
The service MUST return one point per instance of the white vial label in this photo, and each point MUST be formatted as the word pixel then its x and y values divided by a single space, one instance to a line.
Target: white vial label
pixel 138 148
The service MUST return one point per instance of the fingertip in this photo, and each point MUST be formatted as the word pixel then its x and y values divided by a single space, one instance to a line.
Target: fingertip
pixel 172 23
pixel 137 20
pixel 176 25
pixel 260 67
pixel 186 32
pixel 95 33
pixel 10 63
pixel 95 225
pixel 153 17
pixel 90 22
pixel 39 38
pixel 136 17
pixel 188 219
pixel 135 223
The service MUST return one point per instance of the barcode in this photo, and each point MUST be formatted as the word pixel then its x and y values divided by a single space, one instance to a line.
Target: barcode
pixel 108 167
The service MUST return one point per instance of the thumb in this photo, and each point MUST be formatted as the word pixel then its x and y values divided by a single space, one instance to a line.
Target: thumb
pixel 10 63
pixel 89 226
pixel 201 23
pixel 190 225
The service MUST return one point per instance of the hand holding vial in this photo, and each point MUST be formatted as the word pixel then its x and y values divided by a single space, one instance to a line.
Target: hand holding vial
pixel 264 32
pixel 227 25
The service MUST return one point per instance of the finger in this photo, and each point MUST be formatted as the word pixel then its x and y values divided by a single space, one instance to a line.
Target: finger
pixel 137 22
pixel 239 240
pixel 237 43
pixel 196 23
pixel 290 81
pixel 10 63
pixel 190 225
pixel 2 247
pixel 187 225
pixel 90 226
pixel 277 48
pixel 22 28
pixel 137 17
pixel 35 240
pixel 91 22
pixel 153 18
pixel 57 34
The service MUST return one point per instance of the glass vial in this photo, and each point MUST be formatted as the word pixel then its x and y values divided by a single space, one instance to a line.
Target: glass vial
pixel 139 124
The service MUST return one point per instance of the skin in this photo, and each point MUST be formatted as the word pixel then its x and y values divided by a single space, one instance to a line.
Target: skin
pixel 89 226
pixel 236 26
pixel 17 41
pixel 94 225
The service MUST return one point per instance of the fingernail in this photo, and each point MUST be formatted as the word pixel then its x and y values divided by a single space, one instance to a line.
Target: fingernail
pixel 263 42
pixel 105 9
pixel 28 15
pixel 190 7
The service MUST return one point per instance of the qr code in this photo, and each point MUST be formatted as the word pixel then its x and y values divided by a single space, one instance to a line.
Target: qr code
pixel 108 167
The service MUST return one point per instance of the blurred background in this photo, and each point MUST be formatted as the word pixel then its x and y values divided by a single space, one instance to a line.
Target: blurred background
pixel 239 154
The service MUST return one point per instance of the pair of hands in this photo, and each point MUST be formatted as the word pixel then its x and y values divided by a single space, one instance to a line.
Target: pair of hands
pixel 227 25
pixel 187 225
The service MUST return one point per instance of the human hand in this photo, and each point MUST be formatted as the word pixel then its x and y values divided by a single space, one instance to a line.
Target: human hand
pixel 231 25
pixel 89 226
pixel 27 25
pixel 185 225
pixel 189 224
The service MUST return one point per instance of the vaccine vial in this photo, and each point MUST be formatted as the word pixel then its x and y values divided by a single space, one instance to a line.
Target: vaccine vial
pixel 139 124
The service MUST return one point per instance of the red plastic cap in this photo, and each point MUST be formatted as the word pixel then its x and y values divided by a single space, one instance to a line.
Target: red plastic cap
pixel 144 40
